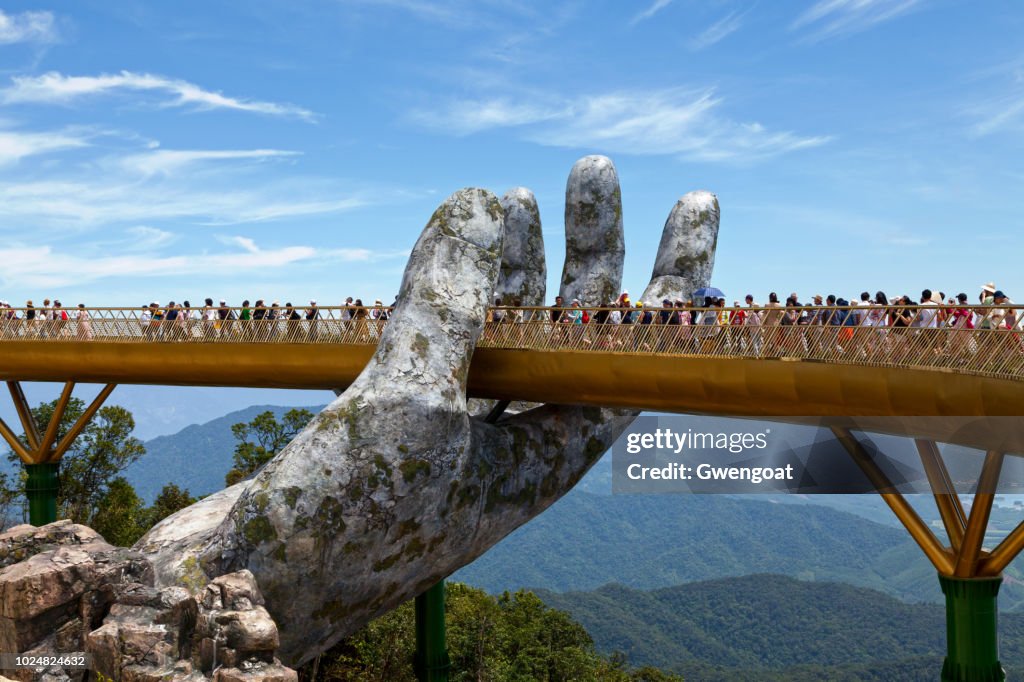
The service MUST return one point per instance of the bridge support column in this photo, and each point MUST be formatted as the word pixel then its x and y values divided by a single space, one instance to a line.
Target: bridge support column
pixel 41 487
pixel 432 662
pixel 971 629
pixel 41 451
pixel 969 576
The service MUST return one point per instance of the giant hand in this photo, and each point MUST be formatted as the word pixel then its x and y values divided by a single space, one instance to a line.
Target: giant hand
pixel 394 485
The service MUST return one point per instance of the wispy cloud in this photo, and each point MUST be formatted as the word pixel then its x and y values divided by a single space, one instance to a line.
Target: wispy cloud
pixel 717 31
pixel 466 117
pixel 27 27
pixel 57 88
pixel 84 203
pixel 16 145
pixel 463 14
pixel 999 107
pixel 167 161
pixel 140 257
pixel 832 18
pixel 997 114
pixel 653 9
pixel 104 187
pixel 678 122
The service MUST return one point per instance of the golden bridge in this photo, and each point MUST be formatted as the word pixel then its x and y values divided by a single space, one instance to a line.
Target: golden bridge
pixel 769 370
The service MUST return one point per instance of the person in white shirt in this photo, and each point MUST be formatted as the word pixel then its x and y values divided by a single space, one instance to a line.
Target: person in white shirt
pixel 144 320
pixel 928 314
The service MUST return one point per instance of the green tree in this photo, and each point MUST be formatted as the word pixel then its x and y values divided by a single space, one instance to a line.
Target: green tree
pixel 261 439
pixel 12 501
pixel 513 638
pixel 122 517
pixel 170 499
pixel 101 452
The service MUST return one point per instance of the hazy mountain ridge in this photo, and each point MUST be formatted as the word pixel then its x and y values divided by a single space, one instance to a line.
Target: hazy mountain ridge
pixel 758 624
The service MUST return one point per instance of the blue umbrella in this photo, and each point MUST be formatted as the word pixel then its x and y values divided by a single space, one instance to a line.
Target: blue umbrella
pixel 709 291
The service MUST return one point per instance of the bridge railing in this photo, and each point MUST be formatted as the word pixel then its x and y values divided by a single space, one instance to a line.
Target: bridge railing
pixel 985 340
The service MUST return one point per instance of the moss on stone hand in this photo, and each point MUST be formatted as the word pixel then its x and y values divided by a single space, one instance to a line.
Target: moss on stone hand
pixel 411 468
pixel 291 496
pixel 420 345
pixel 258 530
pixel 192 577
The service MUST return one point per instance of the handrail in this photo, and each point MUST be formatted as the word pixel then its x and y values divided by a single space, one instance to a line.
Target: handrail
pixel 988 341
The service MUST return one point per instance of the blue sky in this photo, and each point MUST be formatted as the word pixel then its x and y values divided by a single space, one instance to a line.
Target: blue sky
pixel 295 149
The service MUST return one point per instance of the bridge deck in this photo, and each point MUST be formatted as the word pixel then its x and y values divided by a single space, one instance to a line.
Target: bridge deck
pixel 728 370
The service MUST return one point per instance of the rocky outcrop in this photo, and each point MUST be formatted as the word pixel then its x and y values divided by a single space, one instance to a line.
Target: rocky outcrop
pixel 72 593
pixel 61 588
pixel 223 632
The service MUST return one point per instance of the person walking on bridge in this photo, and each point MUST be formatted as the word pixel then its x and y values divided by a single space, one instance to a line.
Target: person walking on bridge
pixel 312 315
pixel 226 316
pixel 209 317
pixel 84 325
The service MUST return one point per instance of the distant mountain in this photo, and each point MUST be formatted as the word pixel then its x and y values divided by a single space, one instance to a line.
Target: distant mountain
pixel 196 458
pixel 164 410
pixel 761 626
pixel 650 541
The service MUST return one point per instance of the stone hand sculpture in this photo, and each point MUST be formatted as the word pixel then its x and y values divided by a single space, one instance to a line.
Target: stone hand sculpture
pixel 394 485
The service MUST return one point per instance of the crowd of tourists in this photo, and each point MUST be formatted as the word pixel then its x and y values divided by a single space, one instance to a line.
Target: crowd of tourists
pixel 353 320
pixel 179 320
pixel 992 310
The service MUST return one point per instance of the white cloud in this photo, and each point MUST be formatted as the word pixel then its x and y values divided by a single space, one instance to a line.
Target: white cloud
pixel 467 14
pixel 671 121
pixel 998 103
pixel 653 9
pixel 27 27
pixel 167 161
pixel 48 266
pixel 717 31
pixel 467 117
pixel 146 237
pixel 15 145
pixel 57 88
pixel 831 18
pixel 998 114
pixel 82 202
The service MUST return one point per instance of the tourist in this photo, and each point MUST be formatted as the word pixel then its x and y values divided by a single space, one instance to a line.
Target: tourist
pixel 84 326
pixel 312 317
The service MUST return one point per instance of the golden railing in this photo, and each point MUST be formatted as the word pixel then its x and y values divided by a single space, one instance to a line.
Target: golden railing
pixel 867 336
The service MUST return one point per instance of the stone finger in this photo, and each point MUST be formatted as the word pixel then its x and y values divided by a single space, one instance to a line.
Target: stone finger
pixel 523 274
pixel 686 255
pixel 594 245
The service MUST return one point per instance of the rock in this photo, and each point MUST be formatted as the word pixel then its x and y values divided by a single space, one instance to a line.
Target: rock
pixel 166 633
pixel 21 542
pixel 267 673
pixel 236 587
pixel 250 632
pixel 42 593
pixel 594 244
pixel 523 273
pixel 686 256
pixel 68 637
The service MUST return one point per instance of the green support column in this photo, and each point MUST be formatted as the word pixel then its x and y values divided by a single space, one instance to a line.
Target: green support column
pixel 971 634
pixel 42 484
pixel 432 662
